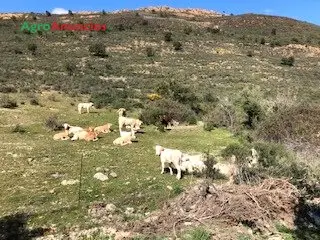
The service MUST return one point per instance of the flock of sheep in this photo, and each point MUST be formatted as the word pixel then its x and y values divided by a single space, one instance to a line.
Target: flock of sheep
pixel 171 158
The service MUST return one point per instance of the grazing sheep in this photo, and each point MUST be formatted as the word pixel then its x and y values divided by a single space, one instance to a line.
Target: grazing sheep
pixel 168 157
pixel 72 129
pixel 88 135
pixel 193 163
pixel 124 140
pixel 230 170
pixel 62 135
pixel 103 129
pixel 86 106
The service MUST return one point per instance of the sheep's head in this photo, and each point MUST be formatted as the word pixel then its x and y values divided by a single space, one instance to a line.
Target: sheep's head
pixel 121 111
pixel 66 126
pixel 91 105
pixel 159 149
pixel 90 129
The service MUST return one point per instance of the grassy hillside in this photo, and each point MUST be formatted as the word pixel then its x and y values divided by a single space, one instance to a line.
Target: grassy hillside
pixel 209 60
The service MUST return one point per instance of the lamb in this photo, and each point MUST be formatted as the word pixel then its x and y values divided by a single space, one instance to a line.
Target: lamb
pixel 88 135
pixel 124 140
pixel 86 106
pixel 192 163
pixel 103 129
pixel 72 129
pixel 228 169
pixel 168 157
pixel 62 135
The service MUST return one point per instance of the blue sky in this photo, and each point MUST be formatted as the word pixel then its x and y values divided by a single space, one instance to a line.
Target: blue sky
pixel 306 10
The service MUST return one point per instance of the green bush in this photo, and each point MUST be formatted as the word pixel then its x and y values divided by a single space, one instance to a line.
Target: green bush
pixel 221 115
pixel 168 36
pixel 288 61
pixel 199 234
pixel 163 111
pixel 53 123
pixel 8 89
pixel 70 68
pixel 150 51
pixel 18 129
pixel 254 113
pixel 262 41
pixel 7 102
pixel 177 45
pixel 98 49
pixel 241 151
pixel 34 101
pixel 187 30
pixel 32 47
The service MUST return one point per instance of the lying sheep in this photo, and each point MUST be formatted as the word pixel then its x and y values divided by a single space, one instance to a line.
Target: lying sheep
pixel 125 121
pixel 72 129
pixel 86 106
pixel 62 135
pixel 103 129
pixel 168 157
pixel 193 163
pixel 124 140
pixel 88 135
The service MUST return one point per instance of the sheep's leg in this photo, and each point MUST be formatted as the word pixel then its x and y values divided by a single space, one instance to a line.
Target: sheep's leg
pixel 88 110
pixel 179 173
pixel 171 172
pixel 79 110
pixel 162 167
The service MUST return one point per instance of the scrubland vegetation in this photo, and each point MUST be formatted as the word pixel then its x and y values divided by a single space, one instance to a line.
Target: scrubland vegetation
pixel 247 81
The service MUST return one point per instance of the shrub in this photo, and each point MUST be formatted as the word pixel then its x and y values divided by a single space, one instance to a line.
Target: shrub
pixel 262 41
pixel 150 51
pixel 177 46
pixel 53 98
pixel 254 114
pixel 164 110
pixel 213 29
pixel 8 89
pixel 70 13
pixel 274 31
pixel 18 129
pixel 222 115
pixel 250 54
pixel 32 47
pixel 168 36
pixel 70 68
pixel 288 61
pixel 48 13
pixel 17 51
pixel 187 30
pixel 7 102
pixel 98 49
pixel 34 101
pixel 241 151
pixel 103 12
pixel 153 96
pixel 53 123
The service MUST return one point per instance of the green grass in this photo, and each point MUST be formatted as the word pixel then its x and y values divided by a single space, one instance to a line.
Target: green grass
pixel 30 158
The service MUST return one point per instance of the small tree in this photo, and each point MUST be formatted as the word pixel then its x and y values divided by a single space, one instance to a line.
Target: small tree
pixel 289 61
pixel 32 47
pixel 150 51
pixel 48 13
pixel 168 36
pixel 177 46
pixel 104 12
pixel 98 49
pixel 70 12
pixel 274 31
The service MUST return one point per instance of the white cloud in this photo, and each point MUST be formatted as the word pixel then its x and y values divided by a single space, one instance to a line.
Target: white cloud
pixel 59 11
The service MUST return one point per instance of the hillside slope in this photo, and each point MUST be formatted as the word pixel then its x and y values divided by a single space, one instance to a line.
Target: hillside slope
pixel 219 53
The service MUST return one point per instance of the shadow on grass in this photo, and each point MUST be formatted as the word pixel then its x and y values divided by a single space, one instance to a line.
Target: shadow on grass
pixel 14 227
pixel 307 221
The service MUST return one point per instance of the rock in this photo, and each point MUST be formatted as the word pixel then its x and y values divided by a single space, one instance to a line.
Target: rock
pixel 69 182
pixel 126 183
pixel 98 169
pixel 113 174
pixel 170 188
pixel 111 208
pixel 129 210
pixel 51 191
pixel 100 176
pixel 56 175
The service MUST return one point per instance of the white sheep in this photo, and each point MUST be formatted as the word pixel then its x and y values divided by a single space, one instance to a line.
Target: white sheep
pixel 72 129
pixel 168 157
pixel 193 163
pixel 125 121
pixel 86 106
pixel 124 140
pixel 88 135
